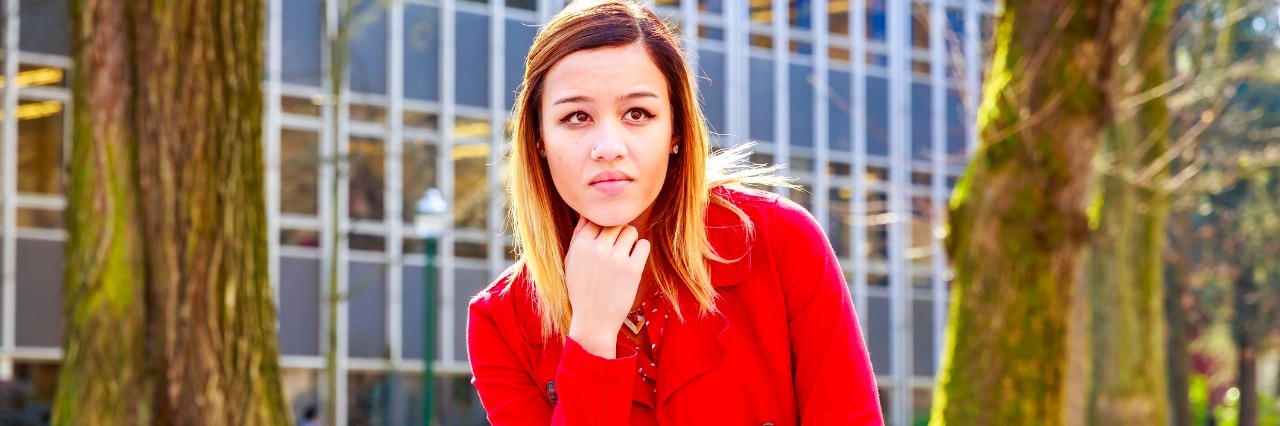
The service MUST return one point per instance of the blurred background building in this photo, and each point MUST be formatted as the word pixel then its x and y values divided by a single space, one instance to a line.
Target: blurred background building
pixel 868 102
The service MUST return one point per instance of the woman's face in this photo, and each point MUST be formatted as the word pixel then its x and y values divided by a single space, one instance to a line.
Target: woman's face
pixel 607 130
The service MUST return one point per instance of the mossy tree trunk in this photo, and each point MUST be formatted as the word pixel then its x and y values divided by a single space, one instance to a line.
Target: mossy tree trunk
pixel 103 373
pixel 184 139
pixel 1018 217
pixel 1124 277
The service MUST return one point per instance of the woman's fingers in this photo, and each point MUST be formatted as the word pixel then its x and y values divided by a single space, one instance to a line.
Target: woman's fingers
pixel 640 253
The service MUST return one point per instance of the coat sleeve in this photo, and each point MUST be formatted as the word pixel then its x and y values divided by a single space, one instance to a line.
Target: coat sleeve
pixel 834 381
pixel 589 390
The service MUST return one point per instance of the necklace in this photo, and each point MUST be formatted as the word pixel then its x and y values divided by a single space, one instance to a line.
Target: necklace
pixel 635 320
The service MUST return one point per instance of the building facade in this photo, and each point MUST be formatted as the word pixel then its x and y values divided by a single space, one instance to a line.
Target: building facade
pixel 869 103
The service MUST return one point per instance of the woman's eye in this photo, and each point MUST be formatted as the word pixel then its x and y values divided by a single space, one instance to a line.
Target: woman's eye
pixel 637 114
pixel 576 118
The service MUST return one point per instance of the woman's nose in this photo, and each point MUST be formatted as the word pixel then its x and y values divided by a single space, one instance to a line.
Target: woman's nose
pixel 609 146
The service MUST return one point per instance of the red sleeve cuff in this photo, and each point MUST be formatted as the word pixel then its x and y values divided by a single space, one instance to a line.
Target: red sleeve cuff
pixel 576 360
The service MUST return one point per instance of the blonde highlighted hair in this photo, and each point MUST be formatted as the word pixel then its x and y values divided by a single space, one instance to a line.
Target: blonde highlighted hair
pixel 677 229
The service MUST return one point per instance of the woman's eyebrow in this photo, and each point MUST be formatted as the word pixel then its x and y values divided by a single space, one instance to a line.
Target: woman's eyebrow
pixel 585 99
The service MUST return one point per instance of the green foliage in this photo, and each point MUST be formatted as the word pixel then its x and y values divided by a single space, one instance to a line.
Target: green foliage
pixel 1227 413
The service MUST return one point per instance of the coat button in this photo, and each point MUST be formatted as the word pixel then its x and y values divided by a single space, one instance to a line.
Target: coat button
pixel 551 391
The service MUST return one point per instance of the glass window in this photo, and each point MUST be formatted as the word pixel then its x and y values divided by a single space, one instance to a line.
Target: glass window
pixel 921 250
pixel 876 23
pixel 413 299
pixel 367 178
pixel 472 45
pixel 39 293
pixel 368 47
pixel 419 172
pixel 957 128
pixel 711 85
pixel 878 219
pixel 922 338
pixel 39 218
pixel 367 295
pixel 878 335
pixel 468 283
pixel 522 4
pixel 40 146
pixel 299 306
pixel 299 172
pixel 761 99
pixel 300 389
pixel 760 11
pixel 877 116
pixel 303 30
pixel 711 6
pixel 955 30
pixel 838 222
pixel 839 111
pixel 800 13
pixel 838 17
pixel 519 37
pixel 44 27
pixel 28 398
pixel 921 403
pixel 920 25
pixel 471 185
pixel 801 92
pixel 421 52
pixel 921 122
pixel 369 396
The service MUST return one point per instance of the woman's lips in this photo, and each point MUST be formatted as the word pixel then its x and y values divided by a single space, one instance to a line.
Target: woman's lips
pixel 611 187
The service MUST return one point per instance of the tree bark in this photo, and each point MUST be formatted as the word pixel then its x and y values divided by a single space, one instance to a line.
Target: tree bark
pixel 1018 221
pixel 1179 357
pixel 214 349
pixel 183 266
pixel 1124 265
pixel 1245 331
pixel 103 368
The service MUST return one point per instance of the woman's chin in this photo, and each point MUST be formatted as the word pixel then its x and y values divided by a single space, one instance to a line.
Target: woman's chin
pixel 609 218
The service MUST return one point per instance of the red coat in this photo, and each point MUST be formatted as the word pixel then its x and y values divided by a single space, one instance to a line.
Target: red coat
pixel 784 348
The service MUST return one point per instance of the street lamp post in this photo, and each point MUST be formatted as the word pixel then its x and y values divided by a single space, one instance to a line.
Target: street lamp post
pixel 430 219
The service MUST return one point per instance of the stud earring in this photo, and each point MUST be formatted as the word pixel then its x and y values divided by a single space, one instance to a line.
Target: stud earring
pixel 675 149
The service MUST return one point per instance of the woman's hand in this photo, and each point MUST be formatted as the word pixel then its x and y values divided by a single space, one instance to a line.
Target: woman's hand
pixel 602 270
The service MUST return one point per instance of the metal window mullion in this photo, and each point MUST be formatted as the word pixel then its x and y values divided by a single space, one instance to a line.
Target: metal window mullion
pixel 781 89
pixel 497 101
pixel 271 150
pixel 899 17
pixel 689 23
pixel 972 73
pixel 821 114
pixel 857 75
pixel 736 97
pixel 10 188
pixel 444 163
pixel 938 84
pixel 393 188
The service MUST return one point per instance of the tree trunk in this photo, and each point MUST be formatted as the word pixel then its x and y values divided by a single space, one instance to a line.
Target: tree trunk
pixel 1124 265
pixel 1179 267
pixel 103 368
pixel 199 103
pixel 1018 222
pixel 184 84
pixel 1245 331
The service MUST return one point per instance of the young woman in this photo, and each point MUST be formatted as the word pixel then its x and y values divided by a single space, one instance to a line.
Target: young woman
pixel 651 288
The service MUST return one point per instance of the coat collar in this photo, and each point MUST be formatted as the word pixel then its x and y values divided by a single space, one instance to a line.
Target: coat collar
pixel 729 239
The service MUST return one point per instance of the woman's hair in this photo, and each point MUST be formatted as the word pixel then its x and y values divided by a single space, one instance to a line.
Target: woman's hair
pixel 677 230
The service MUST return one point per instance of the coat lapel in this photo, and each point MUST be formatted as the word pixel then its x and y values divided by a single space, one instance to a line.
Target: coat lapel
pixel 697 345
